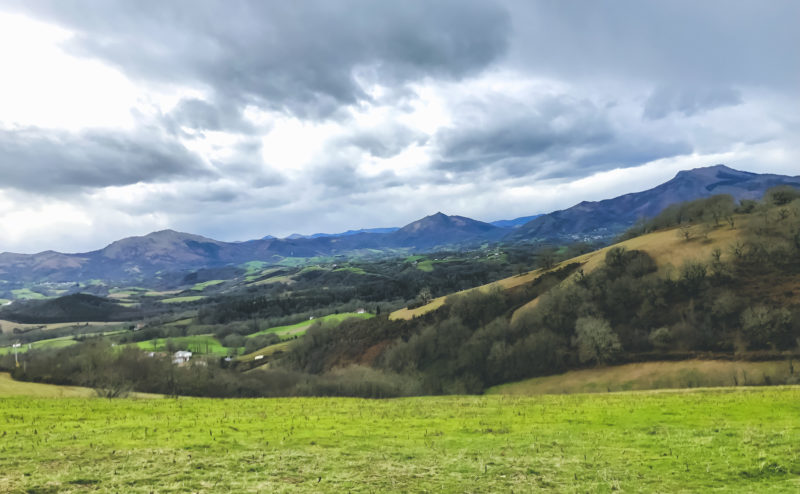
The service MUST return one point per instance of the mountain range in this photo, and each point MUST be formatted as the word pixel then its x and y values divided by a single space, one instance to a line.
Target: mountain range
pixel 170 251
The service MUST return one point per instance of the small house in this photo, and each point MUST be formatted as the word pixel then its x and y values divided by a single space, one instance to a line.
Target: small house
pixel 181 357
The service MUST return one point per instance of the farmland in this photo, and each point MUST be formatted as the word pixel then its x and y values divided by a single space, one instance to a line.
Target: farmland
pixel 299 329
pixel 736 440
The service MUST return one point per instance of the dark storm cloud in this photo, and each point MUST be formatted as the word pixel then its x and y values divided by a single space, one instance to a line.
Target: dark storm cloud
pixel 47 161
pixel 688 101
pixel 302 57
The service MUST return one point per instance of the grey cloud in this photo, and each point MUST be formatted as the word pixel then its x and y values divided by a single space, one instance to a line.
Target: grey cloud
pixel 684 42
pixel 688 101
pixel 554 137
pixel 341 178
pixel 45 161
pixel 246 166
pixel 500 131
pixel 383 142
pixel 301 57
pixel 203 115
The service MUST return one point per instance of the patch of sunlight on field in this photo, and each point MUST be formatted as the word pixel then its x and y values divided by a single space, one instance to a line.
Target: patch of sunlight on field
pixel 10 387
pixel 653 375
pixel 180 300
pixel 266 351
pixel 737 440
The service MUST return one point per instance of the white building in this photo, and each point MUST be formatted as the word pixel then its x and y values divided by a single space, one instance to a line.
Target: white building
pixel 181 357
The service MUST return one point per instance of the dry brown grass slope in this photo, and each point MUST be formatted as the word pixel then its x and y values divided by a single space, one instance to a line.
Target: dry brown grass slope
pixel 668 248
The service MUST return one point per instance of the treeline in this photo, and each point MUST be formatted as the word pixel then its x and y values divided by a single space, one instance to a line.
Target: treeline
pixel 117 373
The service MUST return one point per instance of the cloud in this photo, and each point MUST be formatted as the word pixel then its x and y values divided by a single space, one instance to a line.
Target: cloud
pixel 681 42
pixel 301 57
pixel 48 161
pixel 551 136
pixel 688 101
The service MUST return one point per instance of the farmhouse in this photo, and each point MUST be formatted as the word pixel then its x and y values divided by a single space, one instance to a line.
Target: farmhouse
pixel 181 357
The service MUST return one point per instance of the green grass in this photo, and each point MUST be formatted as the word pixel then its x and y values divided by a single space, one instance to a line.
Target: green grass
pixel 202 344
pixel 10 387
pixel 253 267
pixel 27 294
pixel 62 342
pixel 426 265
pixel 742 440
pixel 350 269
pixel 300 328
pixel 199 287
pixel 178 300
pixel 653 375
pixel 4 301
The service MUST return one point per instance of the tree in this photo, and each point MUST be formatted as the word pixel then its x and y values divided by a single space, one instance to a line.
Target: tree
pixel 425 295
pixel 595 340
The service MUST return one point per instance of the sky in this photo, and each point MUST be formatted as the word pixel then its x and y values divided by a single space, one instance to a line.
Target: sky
pixel 240 119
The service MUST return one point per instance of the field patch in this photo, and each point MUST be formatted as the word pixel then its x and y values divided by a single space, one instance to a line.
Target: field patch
pixel 199 287
pixel 299 329
pixel 200 344
pixel 27 294
pixel 10 387
pixel 654 375
pixel 180 300
pixel 737 440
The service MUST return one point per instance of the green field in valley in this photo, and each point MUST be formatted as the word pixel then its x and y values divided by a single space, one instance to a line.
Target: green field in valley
pixel 27 294
pixel 732 440
pixel 202 344
pixel 178 300
pixel 199 287
pixel 41 344
pixel 299 329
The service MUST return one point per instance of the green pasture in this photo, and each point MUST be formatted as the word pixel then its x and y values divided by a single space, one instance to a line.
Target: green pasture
pixel 199 287
pixel 27 294
pixel 178 300
pixel 299 329
pixel 201 344
pixel 40 345
pixel 733 440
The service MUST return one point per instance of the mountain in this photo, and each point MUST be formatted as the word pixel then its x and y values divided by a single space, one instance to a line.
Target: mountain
pixel 295 236
pixel 603 220
pixel 440 230
pixel 169 251
pixel 515 223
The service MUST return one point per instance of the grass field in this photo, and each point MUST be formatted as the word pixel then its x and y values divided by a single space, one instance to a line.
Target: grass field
pixel 42 344
pixel 27 294
pixel 266 351
pixel 654 375
pixel 10 387
pixel 199 287
pixel 742 440
pixel 300 328
pixel 202 344
pixel 178 300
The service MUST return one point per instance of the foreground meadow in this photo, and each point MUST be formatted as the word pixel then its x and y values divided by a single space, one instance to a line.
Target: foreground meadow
pixel 728 440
